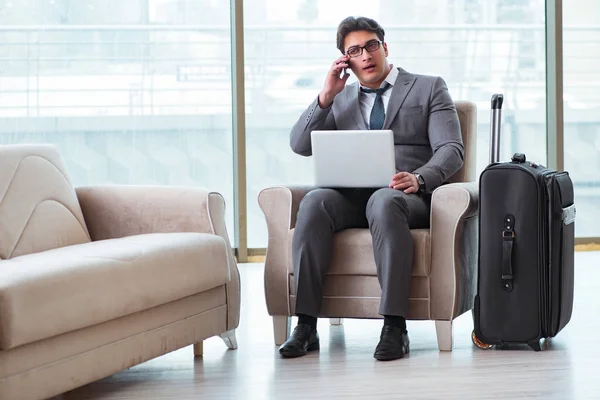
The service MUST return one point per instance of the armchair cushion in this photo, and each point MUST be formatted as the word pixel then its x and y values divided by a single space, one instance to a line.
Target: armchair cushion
pixel 62 290
pixel 353 253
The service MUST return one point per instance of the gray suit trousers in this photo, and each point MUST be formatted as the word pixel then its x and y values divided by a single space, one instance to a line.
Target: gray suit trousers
pixel 389 214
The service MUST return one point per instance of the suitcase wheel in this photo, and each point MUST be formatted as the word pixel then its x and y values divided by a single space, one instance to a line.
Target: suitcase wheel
pixel 479 343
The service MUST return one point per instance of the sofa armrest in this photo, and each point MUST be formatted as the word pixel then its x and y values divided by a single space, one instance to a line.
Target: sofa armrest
pixel 116 211
pixel 280 206
pixel 454 246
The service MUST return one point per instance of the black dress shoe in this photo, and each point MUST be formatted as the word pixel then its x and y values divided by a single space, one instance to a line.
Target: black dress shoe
pixel 303 339
pixel 393 344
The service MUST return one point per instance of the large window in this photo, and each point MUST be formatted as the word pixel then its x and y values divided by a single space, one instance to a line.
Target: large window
pixel 131 92
pixel 139 91
pixel 480 47
pixel 581 43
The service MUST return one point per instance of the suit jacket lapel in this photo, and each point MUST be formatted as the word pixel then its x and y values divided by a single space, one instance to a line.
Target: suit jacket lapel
pixel 353 106
pixel 404 82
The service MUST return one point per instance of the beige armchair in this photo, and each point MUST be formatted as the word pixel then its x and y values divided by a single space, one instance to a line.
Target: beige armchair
pixel 444 269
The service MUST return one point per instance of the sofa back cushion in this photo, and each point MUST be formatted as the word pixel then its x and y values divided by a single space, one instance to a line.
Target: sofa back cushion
pixel 38 206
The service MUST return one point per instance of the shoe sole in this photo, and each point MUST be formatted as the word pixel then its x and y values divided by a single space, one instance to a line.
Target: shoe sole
pixel 291 354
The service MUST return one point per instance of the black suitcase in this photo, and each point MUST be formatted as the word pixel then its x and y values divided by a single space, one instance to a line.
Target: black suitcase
pixel 526 249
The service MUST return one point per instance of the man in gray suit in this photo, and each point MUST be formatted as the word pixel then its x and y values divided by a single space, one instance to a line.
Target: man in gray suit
pixel 428 149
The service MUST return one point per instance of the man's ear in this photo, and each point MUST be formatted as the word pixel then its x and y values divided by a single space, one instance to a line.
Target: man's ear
pixel 385 49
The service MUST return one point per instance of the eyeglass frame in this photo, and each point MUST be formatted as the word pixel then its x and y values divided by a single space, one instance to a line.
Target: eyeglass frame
pixel 363 48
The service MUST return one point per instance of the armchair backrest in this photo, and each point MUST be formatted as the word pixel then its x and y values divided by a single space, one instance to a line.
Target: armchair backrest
pixel 39 209
pixel 467 116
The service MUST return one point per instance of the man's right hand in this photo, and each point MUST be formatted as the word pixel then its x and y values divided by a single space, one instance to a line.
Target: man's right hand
pixel 333 83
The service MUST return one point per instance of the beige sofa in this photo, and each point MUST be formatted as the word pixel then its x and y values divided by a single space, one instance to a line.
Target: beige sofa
pixel 444 268
pixel 94 280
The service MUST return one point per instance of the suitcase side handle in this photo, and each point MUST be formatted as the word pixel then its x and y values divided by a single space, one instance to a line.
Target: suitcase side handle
pixel 508 237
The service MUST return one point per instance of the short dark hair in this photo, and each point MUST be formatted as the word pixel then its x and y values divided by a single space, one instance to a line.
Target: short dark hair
pixel 352 24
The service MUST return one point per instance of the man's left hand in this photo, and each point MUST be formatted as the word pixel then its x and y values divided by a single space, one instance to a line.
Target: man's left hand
pixel 405 181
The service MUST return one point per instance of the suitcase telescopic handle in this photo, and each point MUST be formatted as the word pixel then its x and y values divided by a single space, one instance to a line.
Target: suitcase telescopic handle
pixel 495 127
pixel 497 100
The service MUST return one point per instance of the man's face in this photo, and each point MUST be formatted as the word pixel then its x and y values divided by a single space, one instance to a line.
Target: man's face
pixel 370 68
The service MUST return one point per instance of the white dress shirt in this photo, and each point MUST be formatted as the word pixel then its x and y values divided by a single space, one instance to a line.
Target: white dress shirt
pixel 368 99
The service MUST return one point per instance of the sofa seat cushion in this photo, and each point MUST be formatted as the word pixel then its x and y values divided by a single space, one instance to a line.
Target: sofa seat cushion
pixel 62 290
pixel 353 253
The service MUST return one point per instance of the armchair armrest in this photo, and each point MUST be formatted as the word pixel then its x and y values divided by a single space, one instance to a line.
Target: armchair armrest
pixel 280 206
pixel 454 238
pixel 117 211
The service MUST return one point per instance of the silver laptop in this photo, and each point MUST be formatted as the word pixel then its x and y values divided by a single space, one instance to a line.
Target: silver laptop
pixel 353 158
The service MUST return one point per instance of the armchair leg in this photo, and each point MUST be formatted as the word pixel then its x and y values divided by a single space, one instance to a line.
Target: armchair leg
pixel 336 321
pixel 444 335
pixel 281 328
pixel 198 349
pixel 230 339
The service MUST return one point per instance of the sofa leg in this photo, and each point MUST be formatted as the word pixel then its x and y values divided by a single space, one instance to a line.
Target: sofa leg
pixel 444 335
pixel 281 328
pixel 230 339
pixel 336 321
pixel 198 349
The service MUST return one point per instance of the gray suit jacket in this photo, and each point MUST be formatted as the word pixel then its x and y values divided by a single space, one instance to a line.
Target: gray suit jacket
pixel 420 112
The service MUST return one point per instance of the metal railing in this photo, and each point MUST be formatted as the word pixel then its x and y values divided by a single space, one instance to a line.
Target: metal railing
pixel 174 70
pixel 176 80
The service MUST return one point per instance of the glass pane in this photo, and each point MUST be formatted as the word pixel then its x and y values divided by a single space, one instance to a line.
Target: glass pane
pixel 480 47
pixel 581 45
pixel 125 101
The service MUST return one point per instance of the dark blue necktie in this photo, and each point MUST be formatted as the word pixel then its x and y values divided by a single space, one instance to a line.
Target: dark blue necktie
pixel 378 111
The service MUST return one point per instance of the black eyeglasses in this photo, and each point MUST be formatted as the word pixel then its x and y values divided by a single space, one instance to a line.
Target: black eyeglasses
pixel 371 46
